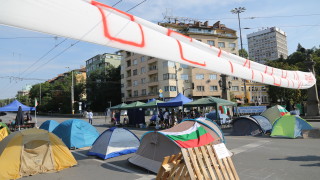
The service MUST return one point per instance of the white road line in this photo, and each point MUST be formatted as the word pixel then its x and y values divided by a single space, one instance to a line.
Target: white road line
pixel 143 176
pixel 248 147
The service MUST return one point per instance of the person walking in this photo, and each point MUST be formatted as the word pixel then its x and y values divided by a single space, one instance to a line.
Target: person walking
pixel 90 116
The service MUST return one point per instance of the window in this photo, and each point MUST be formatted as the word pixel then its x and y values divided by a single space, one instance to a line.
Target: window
pixel 173 88
pixel 232 45
pixel 135 62
pixel 184 66
pixel 213 88
pixel 143 59
pixel 143 70
pixel 235 78
pixel 199 76
pixel 135 93
pixel 235 88
pixel 143 80
pixel 129 63
pixel 213 76
pixel 169 76
pixel 122 76
pixel 210 42
pixel 242 88
pixel 135 72
pixel 221 44
pixel 184 76
pixel 168 64
pixel 143 92
pixel 166 88
pixel 200 88
pixel 135 83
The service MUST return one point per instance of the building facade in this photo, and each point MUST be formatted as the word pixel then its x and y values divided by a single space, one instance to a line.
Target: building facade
pixel 267 44
pixel 142 76
pixel 101 61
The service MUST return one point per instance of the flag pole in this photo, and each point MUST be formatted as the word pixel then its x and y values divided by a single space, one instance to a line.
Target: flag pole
pixel 35 112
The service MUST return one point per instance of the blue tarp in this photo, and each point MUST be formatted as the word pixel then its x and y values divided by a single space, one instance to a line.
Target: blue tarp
pixel 250 109
pixel 76 133
pixel 14 106
pixel 179 100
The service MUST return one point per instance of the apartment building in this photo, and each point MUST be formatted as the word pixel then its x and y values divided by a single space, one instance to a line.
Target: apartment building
pixel 267 44
pixel 101 61
pixel 142 76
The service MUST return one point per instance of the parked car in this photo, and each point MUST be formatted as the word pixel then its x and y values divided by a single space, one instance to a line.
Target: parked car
pixel 222 118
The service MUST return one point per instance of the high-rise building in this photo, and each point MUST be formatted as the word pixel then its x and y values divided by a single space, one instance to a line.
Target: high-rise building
pixel 267 44
pixel 101 61
pixel 142 76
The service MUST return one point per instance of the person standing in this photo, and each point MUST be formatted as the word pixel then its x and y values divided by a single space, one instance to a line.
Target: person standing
pixel 90 116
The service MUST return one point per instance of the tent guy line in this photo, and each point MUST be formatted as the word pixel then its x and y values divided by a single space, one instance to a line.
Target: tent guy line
pixel 115 166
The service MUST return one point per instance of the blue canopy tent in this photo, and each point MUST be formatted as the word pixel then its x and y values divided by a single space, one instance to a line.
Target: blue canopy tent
pixel 14 106
pixel 179 100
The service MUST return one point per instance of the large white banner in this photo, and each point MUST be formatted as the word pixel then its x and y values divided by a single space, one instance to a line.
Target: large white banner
pixel 98 23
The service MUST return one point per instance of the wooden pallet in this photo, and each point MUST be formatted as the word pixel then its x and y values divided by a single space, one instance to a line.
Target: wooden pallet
pixel 197 163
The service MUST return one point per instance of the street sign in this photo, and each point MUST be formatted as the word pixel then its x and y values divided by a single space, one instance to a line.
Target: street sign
pixel 160 91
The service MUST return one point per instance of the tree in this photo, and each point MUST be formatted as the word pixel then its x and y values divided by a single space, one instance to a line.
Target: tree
pixel 103 87
pixel 243 53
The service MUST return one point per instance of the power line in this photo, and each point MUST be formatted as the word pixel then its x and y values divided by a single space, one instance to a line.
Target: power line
pixel 30 37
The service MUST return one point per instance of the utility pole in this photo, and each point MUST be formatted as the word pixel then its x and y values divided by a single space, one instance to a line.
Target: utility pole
pixel 72 91
pixel 238 11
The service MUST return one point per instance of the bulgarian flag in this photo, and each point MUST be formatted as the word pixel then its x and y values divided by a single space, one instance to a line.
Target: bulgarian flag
pixel 283 111
pixel 193 137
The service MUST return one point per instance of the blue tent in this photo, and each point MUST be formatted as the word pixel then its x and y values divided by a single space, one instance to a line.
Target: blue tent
pixel 14 106
pixel 179 100
pixel 76 133
pixel 115 142
pixel 49 125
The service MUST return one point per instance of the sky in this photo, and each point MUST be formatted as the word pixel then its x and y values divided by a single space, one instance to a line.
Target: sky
pixel 39 57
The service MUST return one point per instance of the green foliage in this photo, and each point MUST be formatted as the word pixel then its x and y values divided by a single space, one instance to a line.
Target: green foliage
pixel 296 61
pixel 103 87
pixel 243 53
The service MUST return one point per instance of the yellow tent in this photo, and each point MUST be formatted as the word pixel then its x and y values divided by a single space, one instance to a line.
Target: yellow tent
pixel 33 151
pixel 3 133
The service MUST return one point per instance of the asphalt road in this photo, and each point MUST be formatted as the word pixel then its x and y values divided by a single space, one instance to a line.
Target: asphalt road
pixel 255 158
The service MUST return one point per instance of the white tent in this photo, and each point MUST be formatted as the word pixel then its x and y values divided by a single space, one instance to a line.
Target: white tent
pixel 114 142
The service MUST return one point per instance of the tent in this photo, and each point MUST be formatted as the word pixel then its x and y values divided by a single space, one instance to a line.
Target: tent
pixel 133 105
pixel 76 133
pixel 15 105
pixel 115 142
pixel 250 126
pixel 211 101
pixel 33 151
pixel 274 113
pixel 118 106
pixel 49 125
pixel 151 104
pixel 289 126
pixel 155 145
pixel 179 100
pixel 4 131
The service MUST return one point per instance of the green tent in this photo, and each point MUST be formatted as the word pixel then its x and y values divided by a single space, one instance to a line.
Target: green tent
pixel 152 104
pixel 289 126
pixel 274 113
pixel 210 101
pixel 132 105
pixel 118 106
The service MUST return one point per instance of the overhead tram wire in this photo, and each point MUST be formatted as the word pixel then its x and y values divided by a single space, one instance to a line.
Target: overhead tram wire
pixel 83 37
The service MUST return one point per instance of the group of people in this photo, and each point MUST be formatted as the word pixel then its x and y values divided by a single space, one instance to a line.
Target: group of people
pixel 167 119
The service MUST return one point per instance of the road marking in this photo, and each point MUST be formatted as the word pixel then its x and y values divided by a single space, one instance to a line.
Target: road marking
pixel 143 176
pixel 248 147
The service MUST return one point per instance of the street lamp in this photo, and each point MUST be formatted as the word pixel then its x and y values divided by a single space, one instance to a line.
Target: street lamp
pixel 238 11
pixel 72 91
